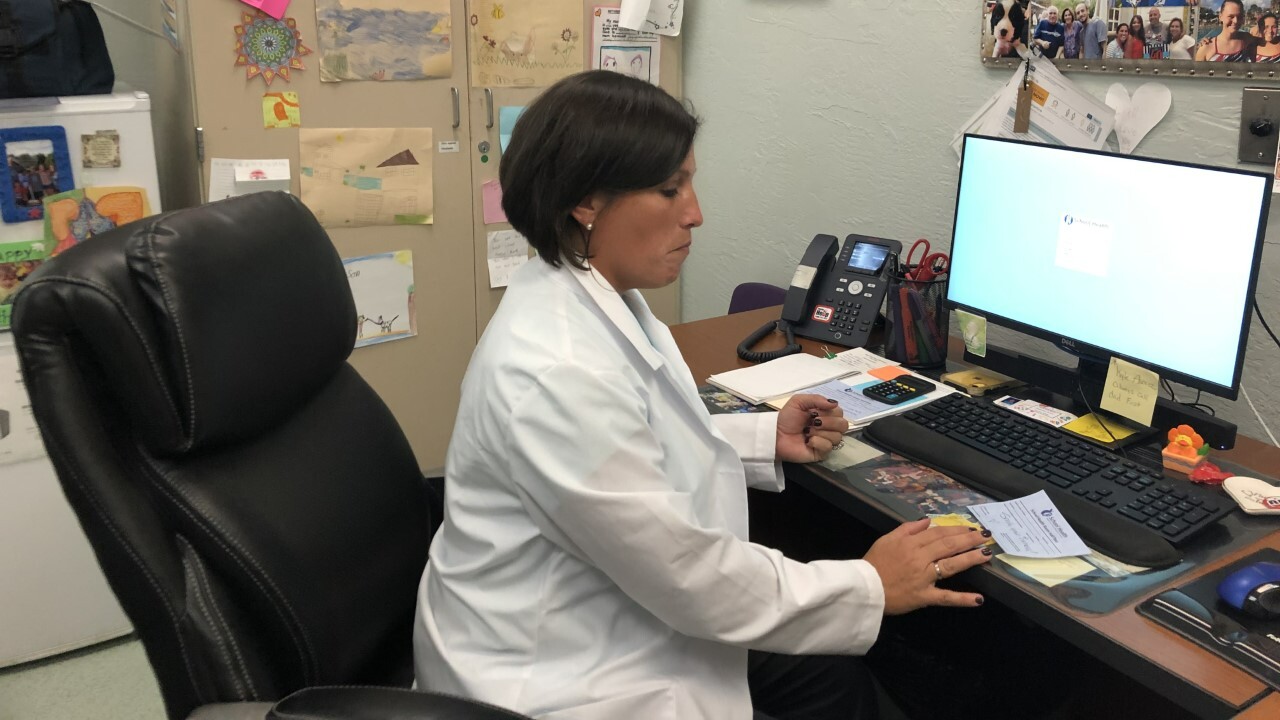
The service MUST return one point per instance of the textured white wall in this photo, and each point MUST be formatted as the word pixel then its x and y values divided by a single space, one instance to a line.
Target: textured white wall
pixel 835 116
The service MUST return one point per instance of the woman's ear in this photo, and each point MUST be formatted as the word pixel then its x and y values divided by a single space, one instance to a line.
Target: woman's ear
pixel 588 209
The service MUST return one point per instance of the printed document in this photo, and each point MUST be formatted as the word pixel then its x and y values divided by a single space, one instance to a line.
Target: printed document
pixel 1030 527
pixel 1061 114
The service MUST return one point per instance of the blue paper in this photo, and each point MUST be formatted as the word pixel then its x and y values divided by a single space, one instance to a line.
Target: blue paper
pixel 507 117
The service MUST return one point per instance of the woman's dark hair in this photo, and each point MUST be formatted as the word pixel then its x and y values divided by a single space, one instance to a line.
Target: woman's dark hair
pixel 597 131
pixel 1141 32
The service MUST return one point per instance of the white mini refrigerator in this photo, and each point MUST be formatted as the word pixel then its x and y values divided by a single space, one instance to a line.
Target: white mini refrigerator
pixel 53 597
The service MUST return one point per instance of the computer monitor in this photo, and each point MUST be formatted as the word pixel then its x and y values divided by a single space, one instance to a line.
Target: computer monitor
pixel 1109 255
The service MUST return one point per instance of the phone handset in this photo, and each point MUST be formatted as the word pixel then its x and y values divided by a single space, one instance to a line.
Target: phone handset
pixel 805 282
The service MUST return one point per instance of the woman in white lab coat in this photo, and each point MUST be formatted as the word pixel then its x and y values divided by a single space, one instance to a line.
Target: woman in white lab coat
pixel 593 562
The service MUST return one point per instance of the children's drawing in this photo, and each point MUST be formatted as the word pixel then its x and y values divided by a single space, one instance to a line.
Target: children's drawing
pixel 269 47
pixel 382 286
pixel 17 261
pixel 384 39
pixel 633 61
pixel 76 215
pixel 352 177
pixel 524 44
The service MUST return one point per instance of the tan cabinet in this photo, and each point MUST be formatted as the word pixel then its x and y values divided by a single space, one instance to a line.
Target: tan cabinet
pixel 419 378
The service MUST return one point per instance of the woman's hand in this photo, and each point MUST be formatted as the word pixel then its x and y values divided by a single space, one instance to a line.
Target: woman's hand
pixel 809 426
pixel 913 557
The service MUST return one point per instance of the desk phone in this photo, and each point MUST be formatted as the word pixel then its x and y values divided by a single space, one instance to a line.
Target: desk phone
pixel 845 290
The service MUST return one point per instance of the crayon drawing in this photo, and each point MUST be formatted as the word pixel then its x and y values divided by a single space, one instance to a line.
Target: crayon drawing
pixel 382 286
pixel 76 215
pixel 384 39
pixel 523 44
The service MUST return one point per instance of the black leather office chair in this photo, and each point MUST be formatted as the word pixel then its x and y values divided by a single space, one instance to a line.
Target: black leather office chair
pixel 253 503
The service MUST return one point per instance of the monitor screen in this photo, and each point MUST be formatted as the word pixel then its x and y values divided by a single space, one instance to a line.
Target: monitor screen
pixel 1149 260
pixel 868 257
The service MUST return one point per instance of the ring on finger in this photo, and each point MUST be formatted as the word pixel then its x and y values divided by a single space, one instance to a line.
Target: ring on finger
pixel 937 572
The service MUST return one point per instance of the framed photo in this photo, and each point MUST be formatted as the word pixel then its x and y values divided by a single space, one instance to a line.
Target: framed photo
pixel 37 163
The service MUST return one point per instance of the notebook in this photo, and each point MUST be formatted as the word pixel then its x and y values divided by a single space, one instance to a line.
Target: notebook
pixel 783 376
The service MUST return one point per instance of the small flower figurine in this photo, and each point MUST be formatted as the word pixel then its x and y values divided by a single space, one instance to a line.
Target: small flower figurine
pixel 1186 449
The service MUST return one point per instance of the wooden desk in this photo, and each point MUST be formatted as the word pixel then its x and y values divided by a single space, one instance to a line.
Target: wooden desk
pixel 1146 652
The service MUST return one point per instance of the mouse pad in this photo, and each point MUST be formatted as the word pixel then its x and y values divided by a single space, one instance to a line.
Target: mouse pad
pixel 1195 612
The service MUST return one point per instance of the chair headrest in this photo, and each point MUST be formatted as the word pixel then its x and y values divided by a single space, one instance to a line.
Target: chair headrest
pixel 211 323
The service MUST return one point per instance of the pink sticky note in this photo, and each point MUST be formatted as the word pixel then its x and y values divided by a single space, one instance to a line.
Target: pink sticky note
pixel 274 8
pixel 491 191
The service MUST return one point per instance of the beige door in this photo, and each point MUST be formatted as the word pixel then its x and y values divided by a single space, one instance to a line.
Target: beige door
pixel 485 104
pixel 419 377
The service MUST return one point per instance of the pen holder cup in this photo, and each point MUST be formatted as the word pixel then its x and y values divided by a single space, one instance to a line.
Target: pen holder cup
pixel 916 326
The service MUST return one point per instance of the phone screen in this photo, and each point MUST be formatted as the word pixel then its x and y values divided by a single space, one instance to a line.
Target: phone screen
pixel 868 257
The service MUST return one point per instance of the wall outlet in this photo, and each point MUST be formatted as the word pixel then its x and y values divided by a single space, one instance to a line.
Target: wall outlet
pixel 1259 125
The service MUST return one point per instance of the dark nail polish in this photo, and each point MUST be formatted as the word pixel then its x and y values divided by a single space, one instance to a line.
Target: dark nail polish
pixel 978 601
pixel 817 422
pixel 833 402
pixel 986 551
pixel 813 413
pixel 973 529
pixel 806 432
pixel 986 533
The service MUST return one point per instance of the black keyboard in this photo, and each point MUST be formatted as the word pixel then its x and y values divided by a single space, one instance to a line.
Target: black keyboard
pixel 962 436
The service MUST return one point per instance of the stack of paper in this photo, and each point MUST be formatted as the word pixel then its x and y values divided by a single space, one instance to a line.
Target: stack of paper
pixel 783 376
pixel 859 409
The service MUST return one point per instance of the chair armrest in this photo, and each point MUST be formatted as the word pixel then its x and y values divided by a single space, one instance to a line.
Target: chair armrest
pixel 232 711
pixel 380 703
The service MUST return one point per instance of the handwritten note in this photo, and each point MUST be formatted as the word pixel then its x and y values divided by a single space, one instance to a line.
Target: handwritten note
pixel 1090 427
pixel 507 251
pixel 1030 527
pixel 1130 391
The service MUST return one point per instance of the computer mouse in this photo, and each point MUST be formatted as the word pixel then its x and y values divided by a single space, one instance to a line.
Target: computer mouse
pixel 1254 589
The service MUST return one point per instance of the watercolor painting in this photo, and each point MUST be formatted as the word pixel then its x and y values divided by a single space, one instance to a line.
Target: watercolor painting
pixel 516 44
pixel 384 39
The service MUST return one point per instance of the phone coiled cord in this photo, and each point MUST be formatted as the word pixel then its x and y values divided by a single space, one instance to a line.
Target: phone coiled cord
pixel 792 347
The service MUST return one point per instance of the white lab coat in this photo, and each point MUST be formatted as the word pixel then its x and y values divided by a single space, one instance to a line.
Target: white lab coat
pixel 593 562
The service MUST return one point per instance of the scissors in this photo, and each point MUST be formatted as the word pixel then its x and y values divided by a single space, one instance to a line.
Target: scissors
pixel 931 263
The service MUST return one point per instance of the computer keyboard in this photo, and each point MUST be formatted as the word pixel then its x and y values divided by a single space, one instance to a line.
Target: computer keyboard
pixel 1124 508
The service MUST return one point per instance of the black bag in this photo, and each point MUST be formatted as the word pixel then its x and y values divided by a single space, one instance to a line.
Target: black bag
pixel 50 48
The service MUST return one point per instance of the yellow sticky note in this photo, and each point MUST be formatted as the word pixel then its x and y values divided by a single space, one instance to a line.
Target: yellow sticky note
pixel 1130 391
pixel 1047 571
pixel 281 110
pixel 958 520
pixel 1090 427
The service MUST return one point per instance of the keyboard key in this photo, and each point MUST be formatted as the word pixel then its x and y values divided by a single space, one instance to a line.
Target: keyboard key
pixel 1133 514
pixel 1195 516
pixel 1107 503
pixel 1175 528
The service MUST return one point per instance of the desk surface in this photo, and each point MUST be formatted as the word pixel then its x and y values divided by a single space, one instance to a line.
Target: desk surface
pixel 1122 638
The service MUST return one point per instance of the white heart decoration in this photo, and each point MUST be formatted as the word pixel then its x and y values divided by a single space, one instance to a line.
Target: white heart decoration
pixel 1136 116
pixel 1254 496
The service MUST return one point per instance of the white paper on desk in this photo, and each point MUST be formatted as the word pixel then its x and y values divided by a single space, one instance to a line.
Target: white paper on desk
pixel 778 377
pixel 1060 113
pixel 661 16
pixel 859 409
pixel 1030 527
pixel 862 360
pixel 223 173
pixel 507 251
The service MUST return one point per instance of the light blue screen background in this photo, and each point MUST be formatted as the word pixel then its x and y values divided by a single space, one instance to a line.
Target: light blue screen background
pixel 1167 251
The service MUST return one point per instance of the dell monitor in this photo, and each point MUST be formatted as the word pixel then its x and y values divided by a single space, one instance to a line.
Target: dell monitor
pixel 1108 255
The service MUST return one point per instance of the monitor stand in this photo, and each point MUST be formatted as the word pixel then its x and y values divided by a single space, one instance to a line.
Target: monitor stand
pixel 1090 376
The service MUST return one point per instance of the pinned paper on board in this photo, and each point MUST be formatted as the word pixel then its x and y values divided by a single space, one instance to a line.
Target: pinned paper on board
pixel 1130 391
pixel 507 117
pixel 524 44
pixel 268 46
pixel 507 251
pixel 233 178
pixel 629 52
pixel 383 288
pixel 491 195
pixel 1137 115
pixel 661 16
pixel 353 177
pixel 281 110
pixel 76 215
pixel 384 39
pixel 100 150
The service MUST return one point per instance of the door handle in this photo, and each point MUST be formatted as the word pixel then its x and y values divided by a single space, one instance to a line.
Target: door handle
pixel 457 109
pixel 488 107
